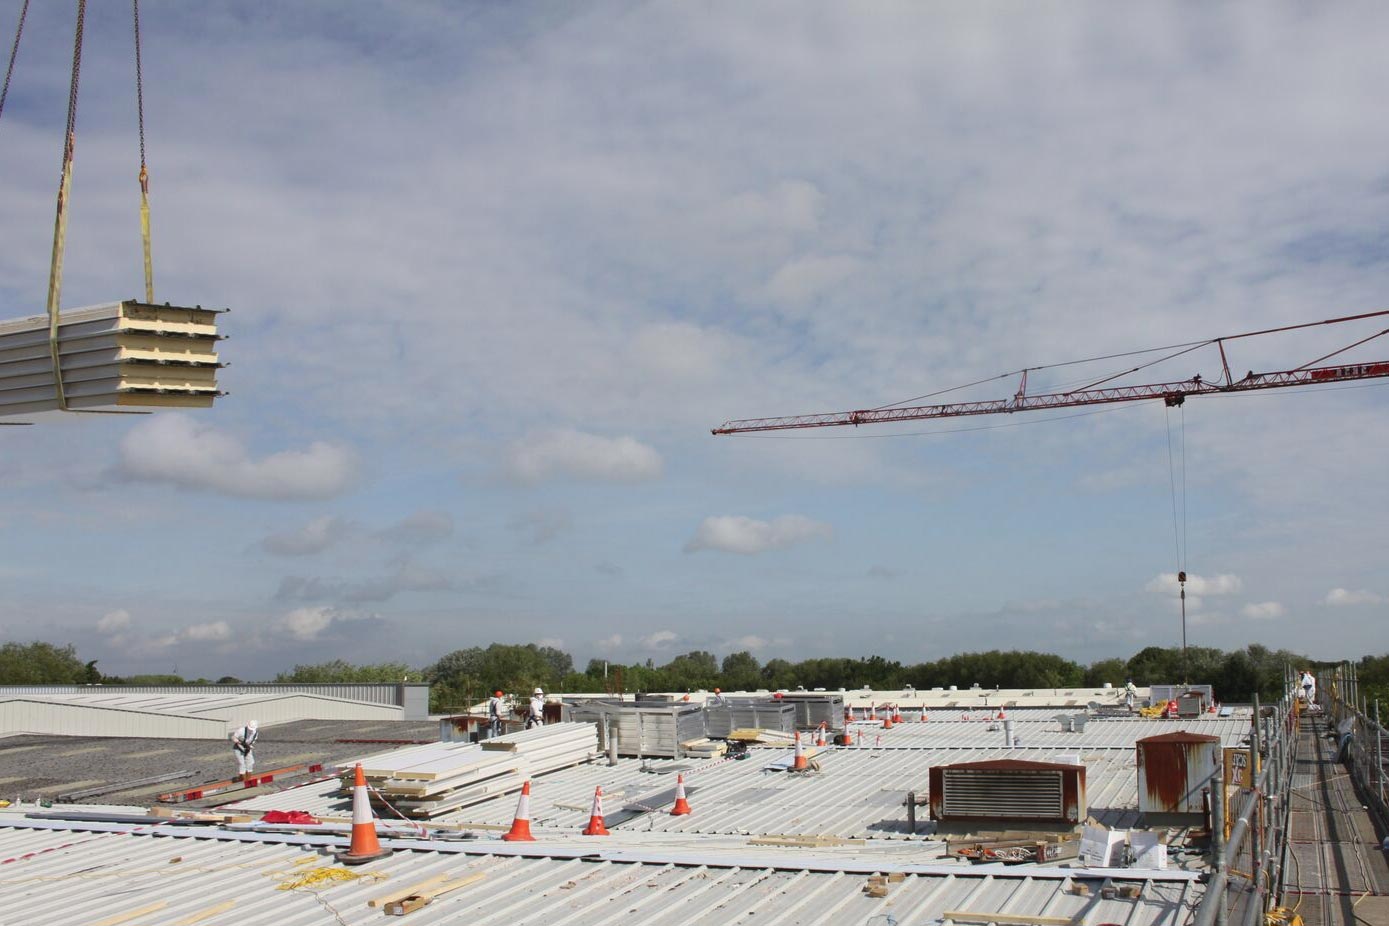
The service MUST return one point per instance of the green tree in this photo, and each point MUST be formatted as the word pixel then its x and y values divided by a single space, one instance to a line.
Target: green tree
pixel 740 672
pixel 41 663
pixel 1114 671
pixel 697 669
pixel 342 672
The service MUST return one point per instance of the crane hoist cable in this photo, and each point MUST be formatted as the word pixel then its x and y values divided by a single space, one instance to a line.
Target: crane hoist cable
pixel 60 222
pixel 144 171
pixel 14 53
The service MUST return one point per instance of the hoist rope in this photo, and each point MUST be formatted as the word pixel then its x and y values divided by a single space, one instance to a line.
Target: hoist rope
pixel 14 53
pixel 1172 481
pixel 144 172
pixel 60 222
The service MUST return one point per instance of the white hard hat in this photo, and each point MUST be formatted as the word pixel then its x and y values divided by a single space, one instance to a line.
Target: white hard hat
pixel 538 691
pixel 253 724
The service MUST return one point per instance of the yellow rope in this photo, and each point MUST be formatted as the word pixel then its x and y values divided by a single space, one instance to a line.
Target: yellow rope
pixel 145 232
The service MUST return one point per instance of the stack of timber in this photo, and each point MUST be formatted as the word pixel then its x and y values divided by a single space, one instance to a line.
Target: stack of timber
pixel 729 714
pixel 425 781
pixel 645 728
pixel 119 355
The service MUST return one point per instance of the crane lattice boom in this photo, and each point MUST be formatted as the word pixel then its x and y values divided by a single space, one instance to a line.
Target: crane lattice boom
pixel 1173 393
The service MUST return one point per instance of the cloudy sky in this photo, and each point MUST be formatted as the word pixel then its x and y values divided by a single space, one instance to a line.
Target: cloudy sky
pixel 495 270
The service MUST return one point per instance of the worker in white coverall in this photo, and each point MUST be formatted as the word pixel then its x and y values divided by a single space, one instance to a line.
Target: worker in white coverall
pixel 537 717
pixel 1309 687
pixel 244 746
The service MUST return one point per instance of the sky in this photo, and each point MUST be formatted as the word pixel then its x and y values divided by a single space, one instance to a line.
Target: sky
pixel 494 271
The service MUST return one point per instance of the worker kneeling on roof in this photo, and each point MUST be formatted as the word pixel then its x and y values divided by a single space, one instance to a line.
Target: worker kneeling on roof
pixel 243 747
pixel 537 715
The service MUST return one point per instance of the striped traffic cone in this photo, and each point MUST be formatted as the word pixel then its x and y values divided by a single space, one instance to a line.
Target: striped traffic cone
pixel 799 764
pixel 820 737
pixel 872 711
pixel 682 806
pixel 364 847
pixel 521 825
pixel 595 818
pixel 896 714
pixel 1001 715
pixel 923 713
pixel 887 720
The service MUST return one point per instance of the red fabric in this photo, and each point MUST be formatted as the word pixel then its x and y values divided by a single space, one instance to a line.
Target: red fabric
pixel 287 816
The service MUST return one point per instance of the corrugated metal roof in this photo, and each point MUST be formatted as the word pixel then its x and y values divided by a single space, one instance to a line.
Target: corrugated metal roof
pixel 67 878
pixel 858 793
pixel 1099 733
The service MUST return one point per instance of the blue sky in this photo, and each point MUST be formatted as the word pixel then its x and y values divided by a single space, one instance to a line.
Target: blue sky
pixel 496 269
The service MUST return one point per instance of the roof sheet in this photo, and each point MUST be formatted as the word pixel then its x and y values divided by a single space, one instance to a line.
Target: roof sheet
pixel 64 878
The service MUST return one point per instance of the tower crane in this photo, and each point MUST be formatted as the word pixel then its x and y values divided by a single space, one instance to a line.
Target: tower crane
pixel 1172 393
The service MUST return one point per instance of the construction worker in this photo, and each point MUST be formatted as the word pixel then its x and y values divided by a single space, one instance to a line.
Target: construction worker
pixel 537 715
pixel 1309 687
pixel 1130 692
pixel 243 747
pixel 496 710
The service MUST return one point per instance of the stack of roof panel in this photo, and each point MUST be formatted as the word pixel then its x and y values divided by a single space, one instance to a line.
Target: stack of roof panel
pixel 425 781
pixel 645 728
pixel 814 708
pixel 119 355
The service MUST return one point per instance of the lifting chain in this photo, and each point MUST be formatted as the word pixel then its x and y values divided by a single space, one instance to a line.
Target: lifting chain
pixel 14 53
pixel 144 172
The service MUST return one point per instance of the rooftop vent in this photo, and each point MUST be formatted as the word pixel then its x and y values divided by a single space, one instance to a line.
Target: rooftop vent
pixel 1008 790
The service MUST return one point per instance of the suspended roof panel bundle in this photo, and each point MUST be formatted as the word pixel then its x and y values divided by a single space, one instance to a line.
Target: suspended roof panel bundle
pixel 121 355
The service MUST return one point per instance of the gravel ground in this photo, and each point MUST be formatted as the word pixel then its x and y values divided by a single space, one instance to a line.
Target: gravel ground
pixel 44 766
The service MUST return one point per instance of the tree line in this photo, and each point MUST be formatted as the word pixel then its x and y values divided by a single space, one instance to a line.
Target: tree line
pixel 467 676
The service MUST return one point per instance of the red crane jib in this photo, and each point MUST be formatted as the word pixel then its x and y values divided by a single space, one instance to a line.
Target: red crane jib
pixel 1172 393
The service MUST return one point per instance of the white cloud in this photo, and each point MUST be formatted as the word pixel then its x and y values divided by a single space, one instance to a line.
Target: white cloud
pixel 1264 610
pixel 307 623
pixel 661 639
pixel 114 621
pixel 1196 586
pixel 422 527
pixel 739 534
pixel 608 644
pixel 408 577
pixel 314 537
pixel 576 455
pixel 749 642
pixel 552 642
pixel 178 450
pixel 801 280
pixel 1344 597
pixel 216 630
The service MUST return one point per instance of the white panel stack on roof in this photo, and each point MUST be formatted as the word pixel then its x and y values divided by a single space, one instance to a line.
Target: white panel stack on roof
pixel 425 781
pixel 117 355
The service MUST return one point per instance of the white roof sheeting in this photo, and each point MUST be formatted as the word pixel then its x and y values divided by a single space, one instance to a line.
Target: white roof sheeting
pixel 71 878
pixel 858 794
pixel 118 354
pixel 110 712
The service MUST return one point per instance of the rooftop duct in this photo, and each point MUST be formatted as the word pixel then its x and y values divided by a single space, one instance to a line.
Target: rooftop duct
pixel 1007 791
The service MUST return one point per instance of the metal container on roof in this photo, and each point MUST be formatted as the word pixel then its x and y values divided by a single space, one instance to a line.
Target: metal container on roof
pixel 1172 770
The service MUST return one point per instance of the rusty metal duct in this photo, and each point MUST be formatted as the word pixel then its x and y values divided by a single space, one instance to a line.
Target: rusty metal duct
pixel 1007 791
pixel 1172 770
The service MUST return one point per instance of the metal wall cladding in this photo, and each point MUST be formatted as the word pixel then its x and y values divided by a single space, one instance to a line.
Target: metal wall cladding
pixel 814 709
pixel 1173 768
pixel 723 717
pixel 644 728
pixel 399 694
pixel 1008 791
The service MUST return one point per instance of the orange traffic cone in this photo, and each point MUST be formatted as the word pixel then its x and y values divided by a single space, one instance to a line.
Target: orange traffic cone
pixel 1001 715
pixel 799 765
pixel 872 711
pixel 682 806
pixel 923 713
pixel 364 847
pixel 595 818
pixel 887 721
pixel 521 824
pixel 860 737
pixel 820 736
pixel 896 714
